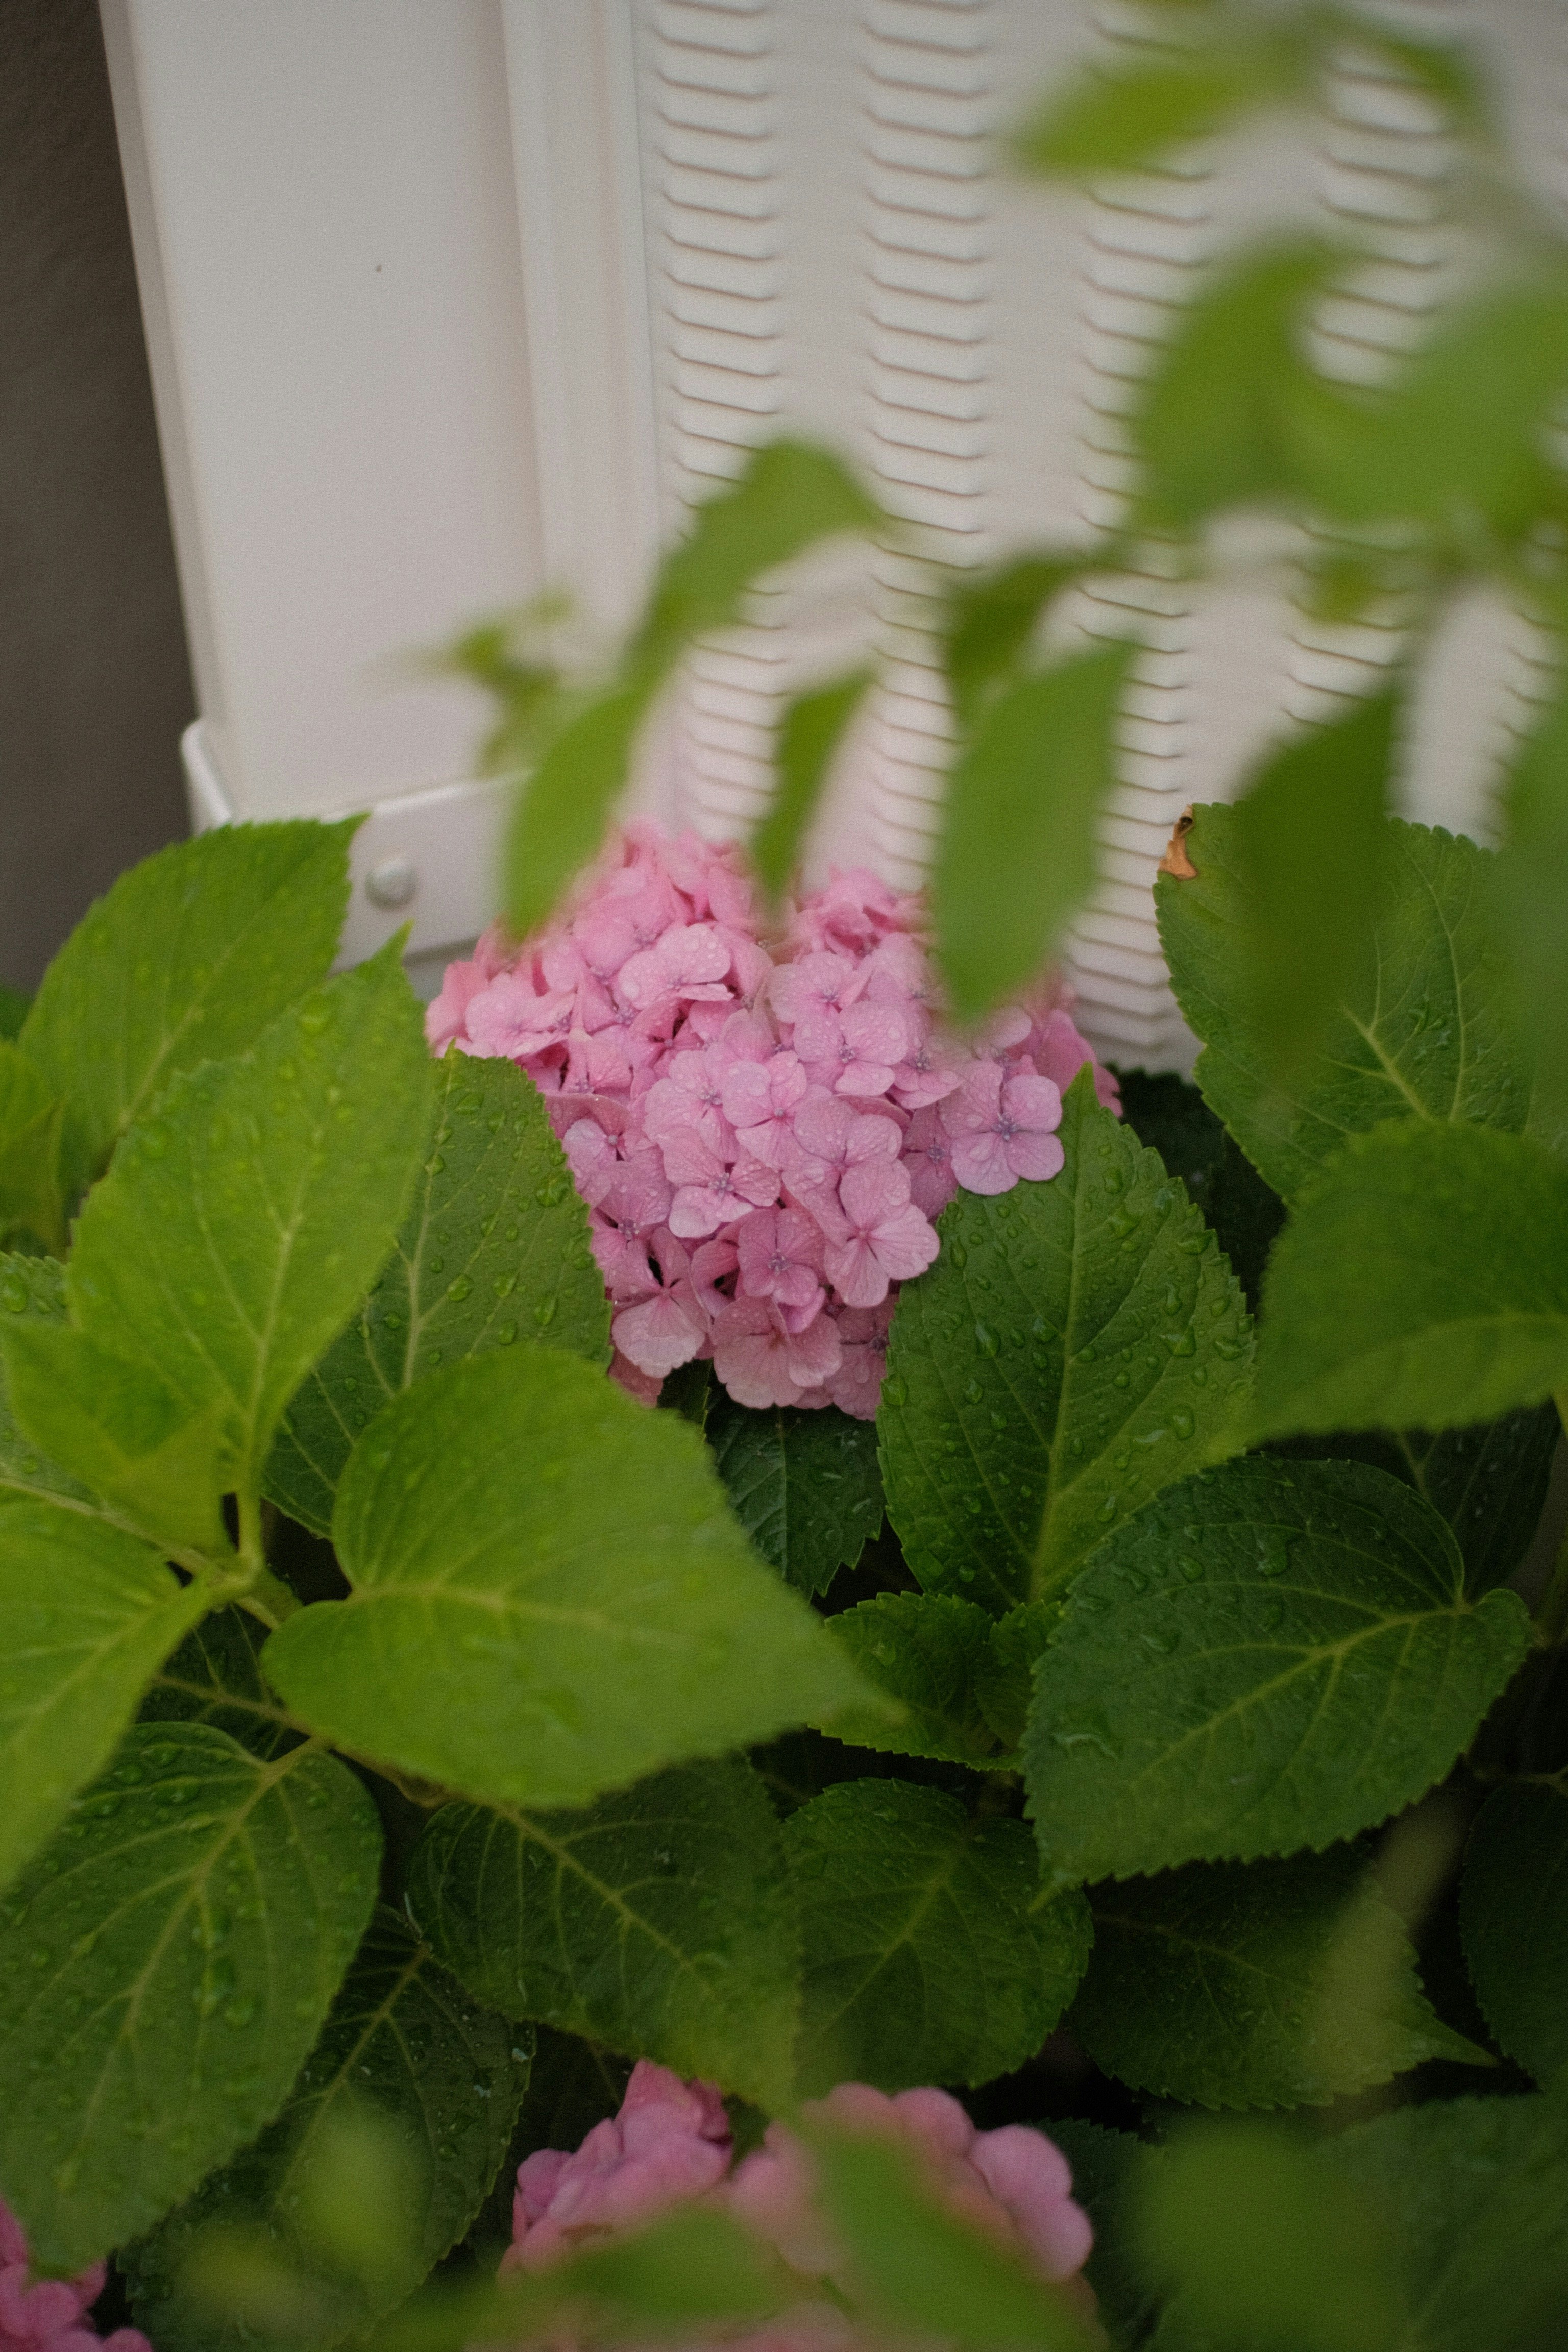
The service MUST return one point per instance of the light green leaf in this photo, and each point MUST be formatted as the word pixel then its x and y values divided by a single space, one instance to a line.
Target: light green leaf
pixel 1273 1984
pixel 1423 1281
pixel 33 1290
pixel 1074 1349
pixel 992 618
pixel 810 736
pixel 32 1121
pixel 1018 848
pixel 242 1223
pixel 928 1653
pixel 930 1954
pixel 494 1251
pixel 1529 887
pixel 1475 2190
pixel 408 2071
pixel 196 1918
pixel 1273 1655
pixel 660 1922
pixel 804 1485
pixel 549 1595
pixel 86 1614
pixel 14 1005
pixel 186 959
pixel 1313 834
pixel 119 1427
pixel 1513 1914
pixel 1125 122
pixel 216 1677
pixel 1426 1038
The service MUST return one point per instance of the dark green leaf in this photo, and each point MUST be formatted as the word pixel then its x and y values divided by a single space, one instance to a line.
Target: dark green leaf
pixel 1426 1038
pixel 214 1677
pixel 659 1922
pixel 574 2085
pixel 1273 1984
pixel 186 959
pixel 86 1614
pixel 173 1953
pixel 263 1197
pixel 1476 2190
pixel 1107 2173
pixel 689 1390
pixel 991 624
pixel 32 1121
pixel 1312 834
pixel 1513 1910
pixel 1019 845
pixel 1004 1680
pixel 922 2272
pixel 930 1955
pixel 810 734
pixel 928 1653
pixel 1455 1241
pixel 494 1251
pixel 551 1596
pixel 1124 121
pixel 1272 1656
pixel 32 1289
pixel 1077 1346
pixel 1529 890
pixel 405 2059
pixel 804 1485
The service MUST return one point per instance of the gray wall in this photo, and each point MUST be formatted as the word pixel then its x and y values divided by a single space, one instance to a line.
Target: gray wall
pixel 95 685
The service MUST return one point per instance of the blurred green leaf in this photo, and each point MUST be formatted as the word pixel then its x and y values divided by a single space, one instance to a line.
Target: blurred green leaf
pixel 1313 836
pixel 1530 898
pixel 1019 835
pixel 991 621
pixel 14 1007
pixel 1423 1281
pixel 32 1123
pixel 810 735
pixel 1266 1984
pixel 1107 2181
pixel 1513 1911
pixel 1124 121
pixel 920 2272
pixel 565 804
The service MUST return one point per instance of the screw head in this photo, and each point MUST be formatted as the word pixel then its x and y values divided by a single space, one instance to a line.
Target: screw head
pixel 393 881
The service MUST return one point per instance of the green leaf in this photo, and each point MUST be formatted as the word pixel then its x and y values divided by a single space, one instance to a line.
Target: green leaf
pixel 660 1922
pixel 1513 1914
pixel 810 735
pixel 1272 1984
pixel 1108 2173
pixel 494 1250
pixel 119 1427
pixel 32 1121
pixel 992 618
pixel 186 959
pixel 804 1485
pixel 404 2059
pixel 1004 1679
pixel 566 805
pixel 173 1953
pixel 216 1677
pixel 1529 884
pixel 1217 424
pixel 928 1653
pixel 33 1289
pixel 1476 2190
pixel 14 1005
pixel 1427 1037
pixel 1313 833
pixel 549 1595
pixel 930 1954
pixel 1125 122
pixel 1019 848
pixel 1074 1349
pixel 1457 1307
pixel 1273 1655
pixel 262 1198
pixel 924 2272
pixel 86 1614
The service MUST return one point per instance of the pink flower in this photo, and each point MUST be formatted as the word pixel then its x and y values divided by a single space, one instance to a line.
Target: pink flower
pixel 832 1136
pixel 1003 1129
pixel 512 1017
pixel 51 2316
pixel 928 1158
pixel 879 1236
pixel 855 1052
pixel 779 1253
pixel 760 1099
pixel 689 960
pixel 932 1067
pixel 1059 1052
pixel 668 2145
pixel 762 1363
pixel 856 1388
pixel 708 1191
pixel 814 983
pixel 691 1095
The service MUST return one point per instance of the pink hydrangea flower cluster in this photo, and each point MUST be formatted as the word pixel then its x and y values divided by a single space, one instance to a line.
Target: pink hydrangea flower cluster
pixel 51 2316
pixel 764 1134
pixel 670 2146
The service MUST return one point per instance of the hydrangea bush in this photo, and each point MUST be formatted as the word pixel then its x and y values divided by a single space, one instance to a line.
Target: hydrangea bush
pixel 487 1860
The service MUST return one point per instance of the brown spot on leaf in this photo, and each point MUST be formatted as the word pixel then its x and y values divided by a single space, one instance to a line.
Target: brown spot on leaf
pixel 1176 860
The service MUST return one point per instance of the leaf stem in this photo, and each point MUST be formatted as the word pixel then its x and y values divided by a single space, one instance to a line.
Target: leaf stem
pixel 265 1595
